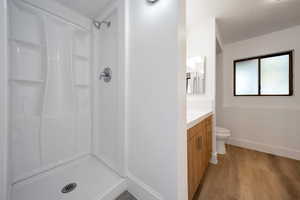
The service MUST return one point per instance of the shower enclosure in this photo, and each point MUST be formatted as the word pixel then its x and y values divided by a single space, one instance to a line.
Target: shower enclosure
pixel 66 123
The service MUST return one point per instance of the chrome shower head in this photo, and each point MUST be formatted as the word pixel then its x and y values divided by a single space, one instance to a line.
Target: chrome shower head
pixel 98 24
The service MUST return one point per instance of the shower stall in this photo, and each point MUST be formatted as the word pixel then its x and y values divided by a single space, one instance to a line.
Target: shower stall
pixel 66 102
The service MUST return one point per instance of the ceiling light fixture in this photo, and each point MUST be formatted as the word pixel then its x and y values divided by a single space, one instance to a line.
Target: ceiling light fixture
pixel 152 1
pixel 277 1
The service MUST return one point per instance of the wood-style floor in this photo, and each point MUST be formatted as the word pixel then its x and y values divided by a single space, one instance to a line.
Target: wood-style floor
pixel 244 174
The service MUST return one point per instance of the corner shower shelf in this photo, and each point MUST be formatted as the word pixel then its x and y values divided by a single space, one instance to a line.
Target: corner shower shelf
pixel 27 80
pixel 26 43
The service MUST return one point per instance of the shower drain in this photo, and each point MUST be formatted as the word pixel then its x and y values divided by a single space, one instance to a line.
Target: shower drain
pixel 69 188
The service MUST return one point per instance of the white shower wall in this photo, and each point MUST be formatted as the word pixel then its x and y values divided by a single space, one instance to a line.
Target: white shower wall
pixel 50 109
pixel 109 98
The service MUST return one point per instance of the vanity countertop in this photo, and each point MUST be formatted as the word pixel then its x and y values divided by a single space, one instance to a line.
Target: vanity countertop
pixel 194 117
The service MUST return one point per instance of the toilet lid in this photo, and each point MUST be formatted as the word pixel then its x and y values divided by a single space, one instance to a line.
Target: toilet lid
pixel 222 130
pixel 223 135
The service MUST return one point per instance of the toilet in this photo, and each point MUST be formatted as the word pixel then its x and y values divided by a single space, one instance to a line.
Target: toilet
pixel 222 135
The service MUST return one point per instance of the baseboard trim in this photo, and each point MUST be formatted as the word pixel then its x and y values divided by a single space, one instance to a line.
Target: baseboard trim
pixel 214 158
pixel 141 190
pixel 275 150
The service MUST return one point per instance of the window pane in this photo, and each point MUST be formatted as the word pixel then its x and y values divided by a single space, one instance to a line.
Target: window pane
pixel 246 77
pixel 275 75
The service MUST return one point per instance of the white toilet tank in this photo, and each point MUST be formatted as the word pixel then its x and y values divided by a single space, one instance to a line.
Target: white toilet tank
pixel 223 132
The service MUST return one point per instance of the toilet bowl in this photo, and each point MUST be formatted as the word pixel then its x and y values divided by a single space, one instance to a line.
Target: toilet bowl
pixel 222 135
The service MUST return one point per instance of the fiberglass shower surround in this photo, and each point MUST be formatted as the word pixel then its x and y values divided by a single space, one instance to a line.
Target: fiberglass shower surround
pixel 50 90
pixel 50 85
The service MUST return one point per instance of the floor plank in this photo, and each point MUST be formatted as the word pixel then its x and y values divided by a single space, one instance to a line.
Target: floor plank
pixel 244 174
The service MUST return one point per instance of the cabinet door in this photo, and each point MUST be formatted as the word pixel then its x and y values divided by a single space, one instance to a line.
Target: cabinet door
pixel 199 151
pixel 192 166
pixel 200 146
pixel 206 145
pixel 208 127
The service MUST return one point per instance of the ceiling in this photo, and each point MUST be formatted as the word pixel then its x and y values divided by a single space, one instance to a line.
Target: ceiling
pixel 89 8
pixel 243 19
pixel 237 19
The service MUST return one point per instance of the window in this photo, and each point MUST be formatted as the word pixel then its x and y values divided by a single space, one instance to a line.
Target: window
pixel 269 75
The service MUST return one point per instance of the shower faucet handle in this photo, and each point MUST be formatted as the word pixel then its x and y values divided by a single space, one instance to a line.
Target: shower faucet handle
pixel 106 74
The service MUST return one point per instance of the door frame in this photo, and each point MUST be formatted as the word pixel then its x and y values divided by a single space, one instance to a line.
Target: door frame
pixel 4 183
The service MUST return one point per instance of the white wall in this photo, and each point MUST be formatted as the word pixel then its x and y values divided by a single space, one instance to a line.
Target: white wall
pixel 109 98
pixel 268 124
pixel 219 81
pixel 3 96
pixel 201 41
pixel 156 100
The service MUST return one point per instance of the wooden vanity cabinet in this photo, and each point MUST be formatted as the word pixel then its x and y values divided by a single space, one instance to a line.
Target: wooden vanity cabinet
pixel 199 153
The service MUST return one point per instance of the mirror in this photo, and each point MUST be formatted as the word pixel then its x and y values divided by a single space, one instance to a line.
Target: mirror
pixel 195 76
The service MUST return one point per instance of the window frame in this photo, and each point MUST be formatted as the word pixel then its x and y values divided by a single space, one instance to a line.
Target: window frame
pixel 291 76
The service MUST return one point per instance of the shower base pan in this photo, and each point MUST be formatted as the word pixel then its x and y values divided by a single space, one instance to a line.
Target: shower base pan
pixel 86 178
